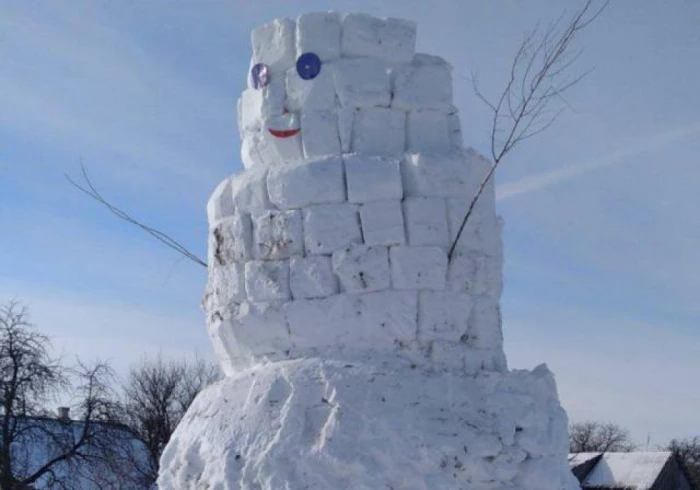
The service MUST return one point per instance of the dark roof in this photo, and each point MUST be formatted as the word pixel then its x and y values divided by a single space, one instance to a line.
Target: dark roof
pixel 629 471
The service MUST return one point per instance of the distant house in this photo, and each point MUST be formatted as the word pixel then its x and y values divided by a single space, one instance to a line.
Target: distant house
pixel 629 471
pixel 111 461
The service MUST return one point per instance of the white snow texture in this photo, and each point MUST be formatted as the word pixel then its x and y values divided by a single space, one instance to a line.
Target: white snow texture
pixel 357 355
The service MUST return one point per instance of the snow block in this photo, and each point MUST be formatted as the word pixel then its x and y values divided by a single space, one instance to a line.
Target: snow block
pixel 444 353
pixel 267 280
pixel 220 203
pixel 267 147
pixel 362 269
pixel 257 105
pixel 418 267
pixel 428 130
pixel 391 40
pixel 280 151
pixel 443 315
pixel 372 178
pixel 261 147
pixel 470 240
pixel 319 134
pixel 312 277
pixel 360 37
pixel 277 235
pixel 320 323
pixel 249 190
pixel 425 83
pixel 389 318
pixel 225 285
pixel 437 175
pixel 454 127
pixel 231 240
pixel 273 44
pixel 485 325
pixel 250 156
pixel 480 167
pixel 261 328
pixel 479 360
pixel 316 94
pixel 426 221
pixel 230 356
pixel 491 236
pixel 382 223
pixel 379 131
pixel 346 119
pixel 362 82
pixel 475 274
pixel 482 233
pixel 398 40
pixel 319 32
pixel 301 184
pixel 330 227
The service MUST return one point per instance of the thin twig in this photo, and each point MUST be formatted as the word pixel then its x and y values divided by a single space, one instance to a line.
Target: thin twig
pixel 537 78
pixel 165 239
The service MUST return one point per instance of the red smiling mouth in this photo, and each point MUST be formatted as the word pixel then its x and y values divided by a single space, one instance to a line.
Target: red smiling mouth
pixel 284 133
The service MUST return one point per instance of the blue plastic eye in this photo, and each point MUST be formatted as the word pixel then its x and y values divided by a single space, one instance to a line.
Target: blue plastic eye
pixel 259 76
pixel 308 66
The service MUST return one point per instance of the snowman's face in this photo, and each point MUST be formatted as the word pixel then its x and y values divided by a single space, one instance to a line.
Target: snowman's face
pixel 329 84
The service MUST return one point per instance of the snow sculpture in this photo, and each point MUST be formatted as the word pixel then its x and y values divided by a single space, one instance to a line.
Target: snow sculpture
pixel 357 355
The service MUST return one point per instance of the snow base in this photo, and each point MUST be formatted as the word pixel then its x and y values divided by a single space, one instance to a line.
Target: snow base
pixel 325 424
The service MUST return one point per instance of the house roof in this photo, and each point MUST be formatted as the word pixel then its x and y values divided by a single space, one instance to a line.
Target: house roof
pixel 576 459
pixel 43 438
pixel 636 470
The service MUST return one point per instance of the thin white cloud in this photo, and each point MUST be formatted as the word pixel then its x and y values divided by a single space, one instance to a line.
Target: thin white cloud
pixel 544 180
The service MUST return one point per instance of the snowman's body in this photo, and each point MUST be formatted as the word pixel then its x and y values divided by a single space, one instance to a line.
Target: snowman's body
pixel 357 355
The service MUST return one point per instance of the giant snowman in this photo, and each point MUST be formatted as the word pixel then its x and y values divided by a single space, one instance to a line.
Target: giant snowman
pixel 357 355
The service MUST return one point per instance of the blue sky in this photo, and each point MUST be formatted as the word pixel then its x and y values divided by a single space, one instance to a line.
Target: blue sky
pixel 602 234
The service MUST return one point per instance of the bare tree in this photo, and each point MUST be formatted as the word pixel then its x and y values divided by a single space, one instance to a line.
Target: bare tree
pixel 688 452
pixel 590 436
pixel 157 394
pixel 540 73
pixel 36 448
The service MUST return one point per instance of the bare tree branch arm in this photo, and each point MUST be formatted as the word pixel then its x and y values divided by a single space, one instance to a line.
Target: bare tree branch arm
pixel 89 189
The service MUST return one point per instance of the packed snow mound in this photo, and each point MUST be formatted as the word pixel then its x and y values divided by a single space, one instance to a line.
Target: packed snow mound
pixel 319 424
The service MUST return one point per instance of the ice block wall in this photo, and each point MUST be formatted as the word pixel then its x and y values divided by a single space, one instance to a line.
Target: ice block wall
pixel 333 241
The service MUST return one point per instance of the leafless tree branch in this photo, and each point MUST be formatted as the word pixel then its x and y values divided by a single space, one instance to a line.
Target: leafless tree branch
pixel 157 394
pixel 36 448
pixel 688 452
pixel 88 188
pixel 591 436
pixel 537 80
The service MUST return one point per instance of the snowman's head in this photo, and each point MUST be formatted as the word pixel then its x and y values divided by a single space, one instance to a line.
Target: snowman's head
pixel 331 84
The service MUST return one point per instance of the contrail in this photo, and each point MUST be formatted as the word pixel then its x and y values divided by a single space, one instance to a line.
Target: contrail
pixel 546 179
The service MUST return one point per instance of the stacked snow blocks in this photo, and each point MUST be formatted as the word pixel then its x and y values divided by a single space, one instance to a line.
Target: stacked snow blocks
pixel 336 235
pixel 372 95
pixel 351 254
